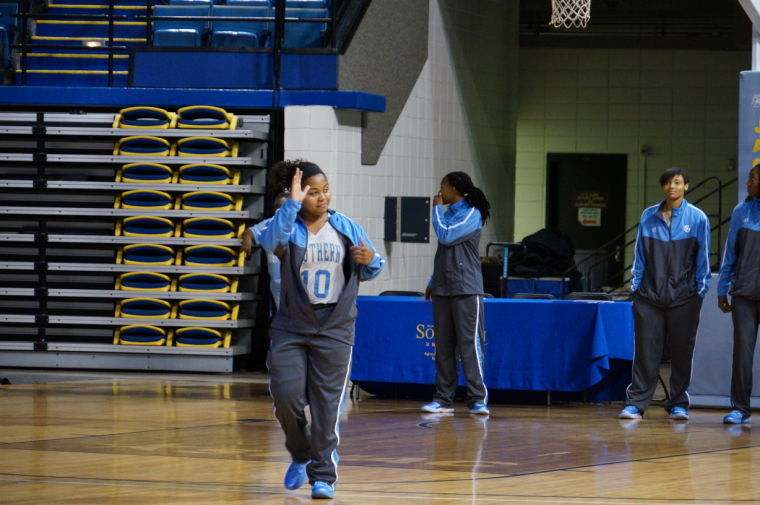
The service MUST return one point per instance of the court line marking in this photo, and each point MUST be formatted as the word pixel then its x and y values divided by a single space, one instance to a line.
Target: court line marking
pixel 248 421
pixel 402 496
pixel 652 459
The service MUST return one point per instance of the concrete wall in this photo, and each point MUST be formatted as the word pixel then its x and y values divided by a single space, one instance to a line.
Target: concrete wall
pixel 460 115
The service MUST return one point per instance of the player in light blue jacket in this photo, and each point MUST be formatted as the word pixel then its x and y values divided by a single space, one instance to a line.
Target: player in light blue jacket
pixel 456 290
pixel 324 255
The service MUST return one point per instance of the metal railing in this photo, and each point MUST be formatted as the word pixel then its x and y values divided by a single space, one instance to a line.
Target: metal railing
pixel 341 25
pixel 25 14
pixel 604 253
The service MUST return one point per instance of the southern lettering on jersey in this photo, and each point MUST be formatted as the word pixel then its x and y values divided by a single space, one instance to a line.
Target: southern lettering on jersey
pixel 323 252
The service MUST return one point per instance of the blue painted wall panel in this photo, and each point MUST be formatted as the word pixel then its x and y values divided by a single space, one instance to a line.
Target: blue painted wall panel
pixel 309 71
pixel 184 68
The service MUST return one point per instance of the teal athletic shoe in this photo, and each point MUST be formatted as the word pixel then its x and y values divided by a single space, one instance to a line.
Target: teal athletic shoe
pixel 322 489
pixel 679 414
pixel 736 417
pixel 479 408
pixel 296 476
pixel 436 408
pixel 630 412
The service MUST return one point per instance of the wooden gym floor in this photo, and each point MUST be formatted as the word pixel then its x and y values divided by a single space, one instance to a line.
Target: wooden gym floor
pixel 147 439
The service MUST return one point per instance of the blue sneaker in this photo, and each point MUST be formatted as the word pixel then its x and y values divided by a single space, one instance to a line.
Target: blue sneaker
pixel 736 417
pixel 436 408
pixel 296 476
pixel 479 408
pixel 630 412
pixel 679 414
pixel 322 489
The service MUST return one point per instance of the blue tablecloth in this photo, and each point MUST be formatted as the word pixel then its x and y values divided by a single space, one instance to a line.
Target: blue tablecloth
pixel 538 345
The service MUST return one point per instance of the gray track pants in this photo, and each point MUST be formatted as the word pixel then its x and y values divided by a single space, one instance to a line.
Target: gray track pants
pixel 459 330
pixel 309 370
pixel 651 323
pixel 746 316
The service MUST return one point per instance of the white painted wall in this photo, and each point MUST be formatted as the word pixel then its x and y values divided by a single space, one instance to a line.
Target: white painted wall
pixel 459 116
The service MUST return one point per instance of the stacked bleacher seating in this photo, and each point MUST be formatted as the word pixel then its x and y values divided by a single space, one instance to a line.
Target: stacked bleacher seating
pixel 252 26
pixel 144 254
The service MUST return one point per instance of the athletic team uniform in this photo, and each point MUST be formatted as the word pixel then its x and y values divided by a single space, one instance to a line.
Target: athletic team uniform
pixel 671 274
pixel 312 333
pixel 273 262
pixel 457 293
pixel 740 277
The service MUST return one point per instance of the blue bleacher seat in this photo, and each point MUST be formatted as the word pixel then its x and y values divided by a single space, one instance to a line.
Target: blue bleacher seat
pixel 143 281
pixel 205 282
pixel 204 173
pixel 302 35
pixel 140 335
pixel 306 4
pixel 210 256
pixel 8 26
pixel 249 3
pixel 203 337
pixel 207 3
pixel 242 33
pixel 180 33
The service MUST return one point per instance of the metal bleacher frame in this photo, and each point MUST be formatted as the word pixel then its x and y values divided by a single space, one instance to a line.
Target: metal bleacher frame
pixel 34 336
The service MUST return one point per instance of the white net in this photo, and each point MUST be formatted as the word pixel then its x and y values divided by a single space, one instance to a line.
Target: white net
pixel 570 13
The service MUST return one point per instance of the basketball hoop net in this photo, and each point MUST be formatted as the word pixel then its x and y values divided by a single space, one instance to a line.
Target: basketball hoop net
pixel 570 13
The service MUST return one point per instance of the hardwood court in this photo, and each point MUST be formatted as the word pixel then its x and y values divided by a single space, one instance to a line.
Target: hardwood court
pixel 147 441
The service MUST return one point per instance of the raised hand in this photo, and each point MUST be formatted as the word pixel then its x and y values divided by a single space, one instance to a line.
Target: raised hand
pixel 296 192
pixel 438 199
pixel 361 253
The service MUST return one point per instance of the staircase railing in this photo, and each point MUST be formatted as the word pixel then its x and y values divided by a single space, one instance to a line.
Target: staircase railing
pixel 341 24
pixel 24 45
pixel 603 253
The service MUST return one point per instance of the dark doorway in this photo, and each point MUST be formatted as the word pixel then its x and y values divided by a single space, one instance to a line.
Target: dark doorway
pixel 586 201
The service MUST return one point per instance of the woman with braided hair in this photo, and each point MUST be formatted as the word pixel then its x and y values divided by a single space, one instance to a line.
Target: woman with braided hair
pixel 456 290
pixel 324 255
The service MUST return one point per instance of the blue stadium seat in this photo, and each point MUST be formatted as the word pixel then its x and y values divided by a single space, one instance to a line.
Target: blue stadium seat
pixel 143 281
pixel 205 146
pixel 306 4
pixel 140 335
pixel 144 117
pixel 145 254
pixel 8 26
pixel 210 283
pixel 205 173
pixel 143 307
pixel 208 3
pixel 206 117
pixel 145 226
pixel 301 35
pixel 208 200
pixel 204 309
pixel 152 173
pixel 249 3
pixel 202 337
pixel 210 256
pixel 180 33
pixel 242 33
pixel 145 199
pixel 208 227
pixel 142 145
